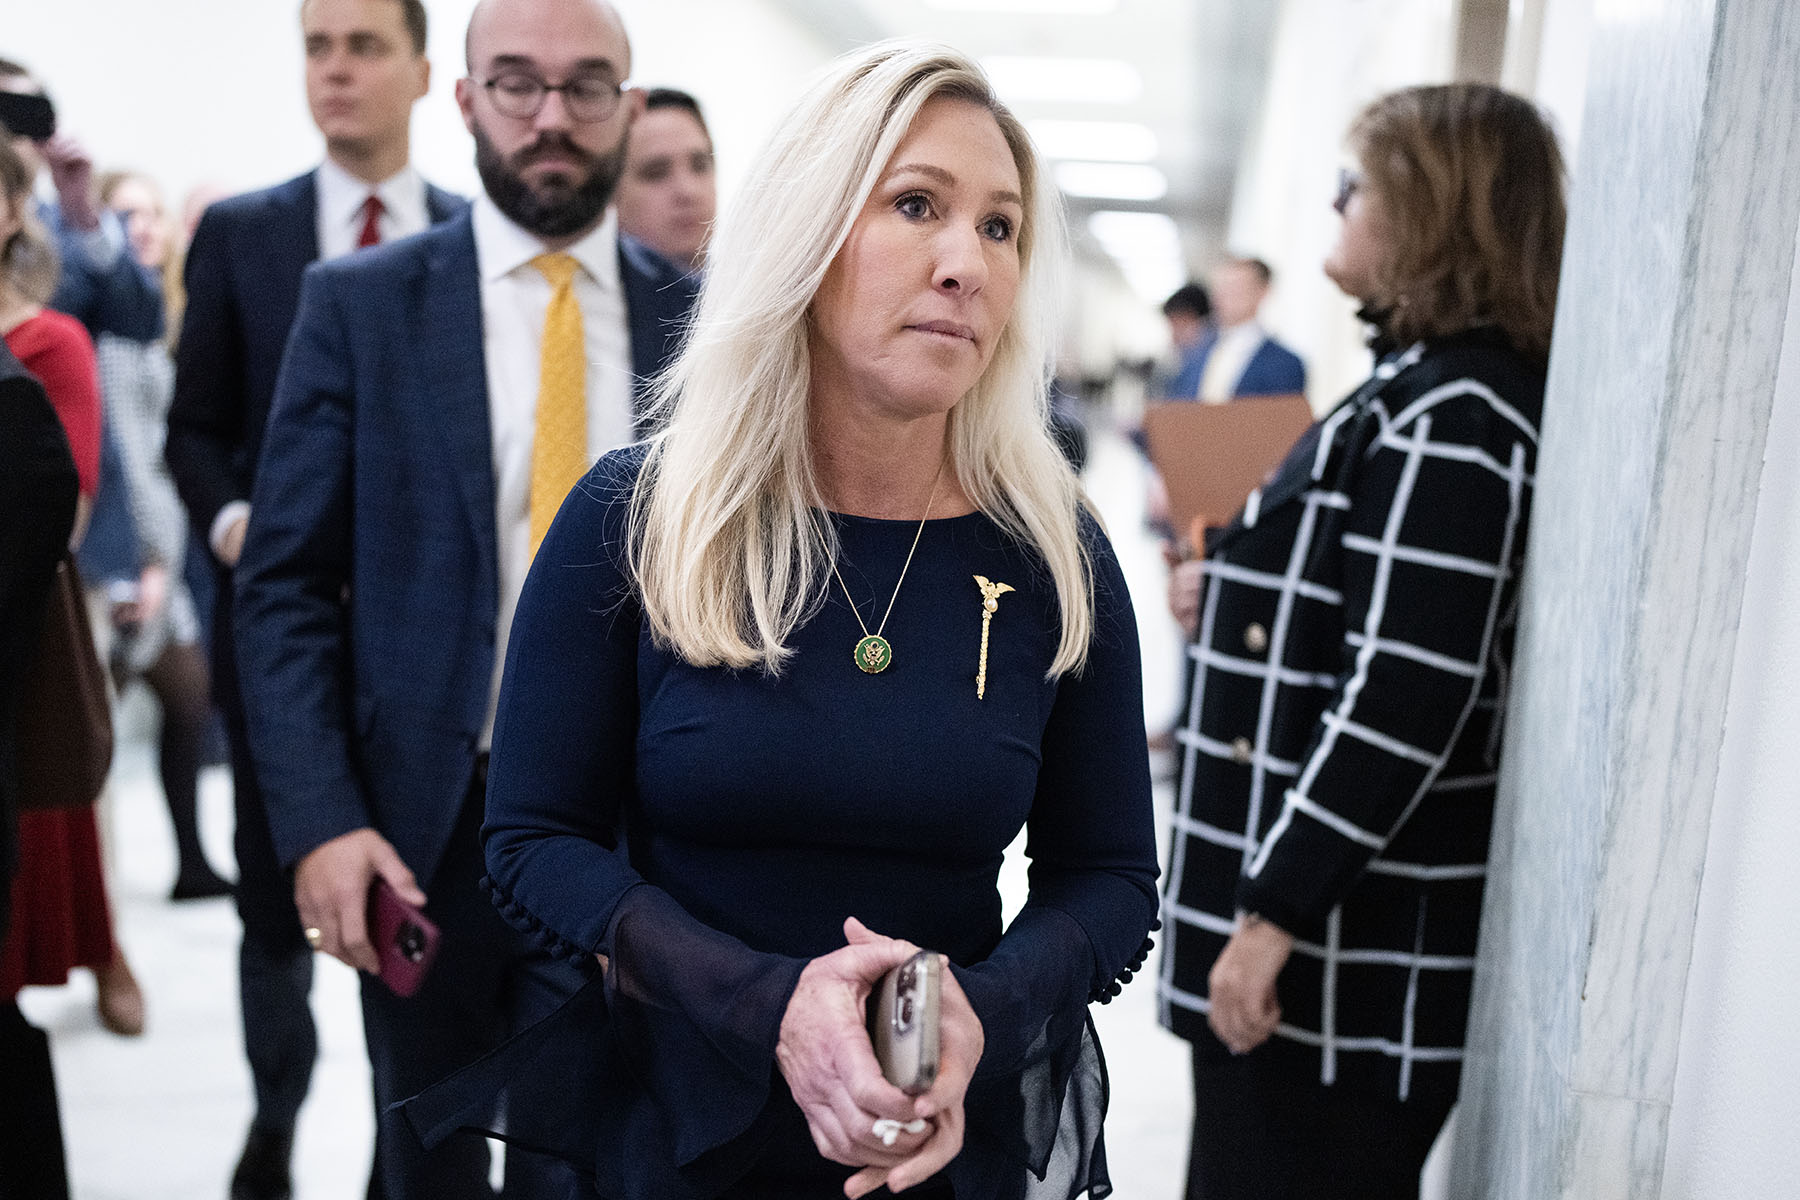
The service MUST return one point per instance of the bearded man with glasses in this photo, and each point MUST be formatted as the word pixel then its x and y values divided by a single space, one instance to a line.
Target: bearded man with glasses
pixel 437 400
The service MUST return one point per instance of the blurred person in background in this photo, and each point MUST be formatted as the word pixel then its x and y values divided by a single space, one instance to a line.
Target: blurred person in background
pixel 38 486
pixel 1188 310
pixel 100 284
pixel 149 612
pixel 1354 630
pixel 60 913
pixel 1235 355
pixel 668 193
pixel 365 68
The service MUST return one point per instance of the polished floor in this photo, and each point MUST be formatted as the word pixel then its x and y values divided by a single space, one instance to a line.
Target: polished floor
pixel 161 1117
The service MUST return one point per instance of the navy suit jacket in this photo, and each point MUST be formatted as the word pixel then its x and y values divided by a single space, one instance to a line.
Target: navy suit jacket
pixel 243 284
pixel 368 592
pixel 1273 370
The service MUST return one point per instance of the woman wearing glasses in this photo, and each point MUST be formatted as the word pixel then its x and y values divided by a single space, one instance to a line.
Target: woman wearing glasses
pixel 819 652
pixel 1353 632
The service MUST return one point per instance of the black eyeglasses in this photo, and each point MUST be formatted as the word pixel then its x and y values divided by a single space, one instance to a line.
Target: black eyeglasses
pixel 520 94
pixel 1349 183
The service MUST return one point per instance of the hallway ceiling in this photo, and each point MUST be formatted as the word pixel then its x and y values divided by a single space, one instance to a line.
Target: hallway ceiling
pixel 1189 72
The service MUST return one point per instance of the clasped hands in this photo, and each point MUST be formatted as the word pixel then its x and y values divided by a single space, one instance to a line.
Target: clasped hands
pixel 825 1055
pixel 1244 1011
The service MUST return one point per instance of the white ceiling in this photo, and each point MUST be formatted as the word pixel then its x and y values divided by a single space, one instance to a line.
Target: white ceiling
pixel 1202 64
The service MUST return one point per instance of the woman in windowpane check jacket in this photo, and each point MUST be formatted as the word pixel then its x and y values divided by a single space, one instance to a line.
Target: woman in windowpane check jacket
pixel 1353 634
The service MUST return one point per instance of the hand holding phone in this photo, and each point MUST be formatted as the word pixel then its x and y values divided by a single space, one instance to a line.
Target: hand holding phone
pixel 405 939
pixel 903 1024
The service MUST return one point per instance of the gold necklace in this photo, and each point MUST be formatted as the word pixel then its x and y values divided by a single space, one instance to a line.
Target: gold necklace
pixel 873 654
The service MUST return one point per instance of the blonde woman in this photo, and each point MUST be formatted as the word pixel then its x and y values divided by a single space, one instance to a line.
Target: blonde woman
pixel 785 683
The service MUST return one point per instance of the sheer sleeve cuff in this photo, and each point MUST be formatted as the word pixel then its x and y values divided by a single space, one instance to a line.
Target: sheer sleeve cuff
pixel 696 1016
pixel 655 1079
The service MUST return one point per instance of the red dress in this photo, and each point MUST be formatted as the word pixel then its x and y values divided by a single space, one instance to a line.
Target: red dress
pixel 60 916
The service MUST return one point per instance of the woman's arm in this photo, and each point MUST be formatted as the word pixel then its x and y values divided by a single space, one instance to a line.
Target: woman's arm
pixel 1092 846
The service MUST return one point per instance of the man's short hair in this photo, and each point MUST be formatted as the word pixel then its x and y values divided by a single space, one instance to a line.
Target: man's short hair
pixel 413 13
pixel 668 97
pixel 1262 269
pixel 1190 300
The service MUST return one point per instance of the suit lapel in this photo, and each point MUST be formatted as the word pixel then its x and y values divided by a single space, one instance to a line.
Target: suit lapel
pixel 294 246
pixel 440 205
pixel 448 336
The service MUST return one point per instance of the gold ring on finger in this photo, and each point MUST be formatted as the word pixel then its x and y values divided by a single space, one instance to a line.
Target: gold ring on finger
pixel 314 935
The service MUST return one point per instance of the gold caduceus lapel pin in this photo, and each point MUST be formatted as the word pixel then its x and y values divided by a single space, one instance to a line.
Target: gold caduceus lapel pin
pixel 990 603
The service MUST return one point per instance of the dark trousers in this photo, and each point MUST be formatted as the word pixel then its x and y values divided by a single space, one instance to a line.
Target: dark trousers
pixel 1267 1134
pixel 487 982
pixel 275 965
pixel 31 1145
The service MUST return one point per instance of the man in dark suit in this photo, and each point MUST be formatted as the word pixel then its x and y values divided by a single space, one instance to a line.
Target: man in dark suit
pixel 438 399
pixel 1237 357
pixel 365 68
pixel 37 512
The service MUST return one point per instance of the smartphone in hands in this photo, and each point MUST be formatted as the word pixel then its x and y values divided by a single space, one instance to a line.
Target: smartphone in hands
pixel 903 1023
pixel 405 939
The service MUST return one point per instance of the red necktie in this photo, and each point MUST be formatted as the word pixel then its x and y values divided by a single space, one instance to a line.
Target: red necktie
pixel 371 229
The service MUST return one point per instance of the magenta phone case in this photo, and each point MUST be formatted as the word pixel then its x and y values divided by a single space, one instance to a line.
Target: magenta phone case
pixel 405 939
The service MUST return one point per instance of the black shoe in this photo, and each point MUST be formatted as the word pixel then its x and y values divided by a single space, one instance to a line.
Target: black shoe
pixel 199 884
pixel 262 1170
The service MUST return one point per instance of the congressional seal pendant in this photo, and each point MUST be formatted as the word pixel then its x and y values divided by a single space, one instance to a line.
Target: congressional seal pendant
pixel 873 654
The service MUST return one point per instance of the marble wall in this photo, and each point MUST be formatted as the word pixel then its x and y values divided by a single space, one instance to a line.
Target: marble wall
pixel 1735 1110
pixel 1668 340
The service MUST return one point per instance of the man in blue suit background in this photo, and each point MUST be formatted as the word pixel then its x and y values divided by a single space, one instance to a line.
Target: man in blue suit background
pixel 420 437
pixel 365 69
pixel 1238 357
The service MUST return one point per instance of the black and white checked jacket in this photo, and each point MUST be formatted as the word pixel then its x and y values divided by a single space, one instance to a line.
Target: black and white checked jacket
pixel 1339 752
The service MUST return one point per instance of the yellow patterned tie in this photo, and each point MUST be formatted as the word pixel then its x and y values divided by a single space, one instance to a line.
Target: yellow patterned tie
pixel 559 454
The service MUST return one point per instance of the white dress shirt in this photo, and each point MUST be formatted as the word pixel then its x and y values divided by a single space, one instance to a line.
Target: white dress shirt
pixel 340 197
pixel 514 299
pixel 1231 354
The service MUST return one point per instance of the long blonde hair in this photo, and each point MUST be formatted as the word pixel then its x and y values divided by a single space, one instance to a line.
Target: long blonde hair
pixel 727 544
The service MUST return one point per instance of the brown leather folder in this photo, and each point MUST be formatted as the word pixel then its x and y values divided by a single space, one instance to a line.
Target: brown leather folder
pixel 1211 456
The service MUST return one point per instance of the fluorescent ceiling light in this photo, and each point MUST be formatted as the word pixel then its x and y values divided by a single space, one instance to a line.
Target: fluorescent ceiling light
pixel 1096 141
pixel 1135 234
pixel 1021 79
pixel 1113 181
pixel 1146 247
pixel 1154 282
pixel 1025 6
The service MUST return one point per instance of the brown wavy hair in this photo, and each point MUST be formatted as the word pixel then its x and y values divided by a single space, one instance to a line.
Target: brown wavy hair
pixel 1472 182
pixel 28 259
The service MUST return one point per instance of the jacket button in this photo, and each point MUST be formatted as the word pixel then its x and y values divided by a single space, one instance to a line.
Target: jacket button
pixel 1256 638
pixel 1240 750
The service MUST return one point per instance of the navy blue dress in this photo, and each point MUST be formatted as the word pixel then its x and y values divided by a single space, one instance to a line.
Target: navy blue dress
pixel 709 830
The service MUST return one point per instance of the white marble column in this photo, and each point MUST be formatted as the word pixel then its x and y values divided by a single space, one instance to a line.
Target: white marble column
pixel 1669 332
